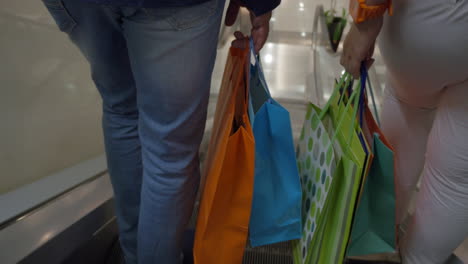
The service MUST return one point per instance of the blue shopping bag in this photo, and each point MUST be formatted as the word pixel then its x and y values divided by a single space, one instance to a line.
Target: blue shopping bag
pixel 276 206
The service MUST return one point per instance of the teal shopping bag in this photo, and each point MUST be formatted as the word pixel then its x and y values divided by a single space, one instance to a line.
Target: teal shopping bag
pixel 374 224
pixel 276 206
pixel 374 227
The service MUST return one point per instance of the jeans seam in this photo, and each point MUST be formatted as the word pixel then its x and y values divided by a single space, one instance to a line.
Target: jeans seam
pixel 155 247
pixel 59 6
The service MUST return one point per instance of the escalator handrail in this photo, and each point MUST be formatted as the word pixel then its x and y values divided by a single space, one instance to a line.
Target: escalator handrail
pixel 18 203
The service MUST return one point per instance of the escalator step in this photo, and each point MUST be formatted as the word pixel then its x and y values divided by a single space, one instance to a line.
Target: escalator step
pixel 272 254
pixel 115 254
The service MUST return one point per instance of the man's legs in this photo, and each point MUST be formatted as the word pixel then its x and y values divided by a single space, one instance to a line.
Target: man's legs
pixel 172 52
pixel 96 31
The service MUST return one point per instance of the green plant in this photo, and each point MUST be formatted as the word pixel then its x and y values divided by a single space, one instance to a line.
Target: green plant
pixel 340 27
pixel 330 16
pixel 331 13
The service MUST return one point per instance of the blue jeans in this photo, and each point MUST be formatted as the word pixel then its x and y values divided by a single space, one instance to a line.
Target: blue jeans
pixel 153 70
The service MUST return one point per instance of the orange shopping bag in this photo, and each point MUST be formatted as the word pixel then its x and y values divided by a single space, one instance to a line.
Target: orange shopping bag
pixel 223 219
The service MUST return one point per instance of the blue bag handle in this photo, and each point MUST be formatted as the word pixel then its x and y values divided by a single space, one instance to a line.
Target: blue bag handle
pixel 364 77
pixel 371 92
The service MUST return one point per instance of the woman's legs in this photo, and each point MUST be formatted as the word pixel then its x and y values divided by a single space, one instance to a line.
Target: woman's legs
pixel 424 46
pixel 407 128
pixel 440 222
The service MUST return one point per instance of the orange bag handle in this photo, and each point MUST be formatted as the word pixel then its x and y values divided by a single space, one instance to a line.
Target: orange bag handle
pixel 242 94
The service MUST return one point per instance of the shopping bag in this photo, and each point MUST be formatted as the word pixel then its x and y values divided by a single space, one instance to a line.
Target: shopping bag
pixel 223 218
pixel 353 159
pixel 333 225
pixel 276 206
pixel 328 242
pixel 374 228
pixel 317 165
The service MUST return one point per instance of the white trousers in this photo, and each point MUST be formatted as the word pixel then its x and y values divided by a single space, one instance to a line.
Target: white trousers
pixel 425 117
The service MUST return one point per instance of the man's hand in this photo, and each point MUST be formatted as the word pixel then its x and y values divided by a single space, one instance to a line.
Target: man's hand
pixel 260 24
pixel 359 45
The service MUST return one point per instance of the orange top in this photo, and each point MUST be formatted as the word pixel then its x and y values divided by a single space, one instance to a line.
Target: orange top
pixel 361 12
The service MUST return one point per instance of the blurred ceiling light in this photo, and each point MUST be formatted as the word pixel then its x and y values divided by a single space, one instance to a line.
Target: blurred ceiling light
pixel 301 9
pixel 303 34
pixel 270 45
pixel 273 19
pixel 301 4
pixel 268 58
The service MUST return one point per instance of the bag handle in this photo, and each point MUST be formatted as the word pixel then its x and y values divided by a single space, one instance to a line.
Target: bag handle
pixel 240 86
pixel 353 100
pixel 256 62
pixel 344 81
pixel 356 98
pixel 364 78
pixel 371 91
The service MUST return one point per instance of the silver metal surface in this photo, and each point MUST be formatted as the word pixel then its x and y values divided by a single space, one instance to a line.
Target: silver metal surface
pixel 30 233
pixel 28 197
pixel 49 107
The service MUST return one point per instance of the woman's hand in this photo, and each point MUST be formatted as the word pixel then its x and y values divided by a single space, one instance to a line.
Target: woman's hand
pixel 359 45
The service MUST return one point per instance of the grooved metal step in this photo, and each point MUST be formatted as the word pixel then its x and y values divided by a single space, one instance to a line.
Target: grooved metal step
pixel 280 253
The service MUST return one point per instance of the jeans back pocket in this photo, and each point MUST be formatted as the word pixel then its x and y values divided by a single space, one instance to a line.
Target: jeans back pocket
pixel 187 17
